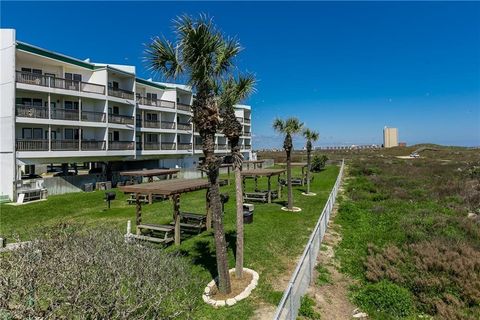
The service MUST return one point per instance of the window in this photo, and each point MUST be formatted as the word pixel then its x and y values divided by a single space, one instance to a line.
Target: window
pixel 116 110
pixel 71 134
pixel 152 137
pixel 114 84
pixel 152 117
pixel 36 71
pixel 151 96
pixel 73 76
pixel 116 136
pixel 71 105
pixel 32 133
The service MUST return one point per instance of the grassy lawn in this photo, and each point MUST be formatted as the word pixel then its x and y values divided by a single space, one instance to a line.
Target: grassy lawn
pixel 272 242
pixel 406 235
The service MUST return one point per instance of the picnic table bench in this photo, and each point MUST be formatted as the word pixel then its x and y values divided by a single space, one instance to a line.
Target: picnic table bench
pixel 192 221
pixel 256 196
pixel 155 232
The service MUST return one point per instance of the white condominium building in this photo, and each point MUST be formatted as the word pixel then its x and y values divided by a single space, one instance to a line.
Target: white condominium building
pixel 59 109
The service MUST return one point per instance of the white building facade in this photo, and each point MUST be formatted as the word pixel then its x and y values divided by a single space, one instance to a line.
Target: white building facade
pixel 58 109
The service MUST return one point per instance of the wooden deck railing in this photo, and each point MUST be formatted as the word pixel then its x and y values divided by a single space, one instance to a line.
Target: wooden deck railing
pixel 120 145
pixel 31 111
pixel 59 83
pixel 31 145
pixel 120 93
pixel 120 119
pixel 156 102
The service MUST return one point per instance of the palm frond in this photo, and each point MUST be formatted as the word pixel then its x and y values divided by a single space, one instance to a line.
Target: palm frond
pixel 293 126
pixel 279 125
pixel 161 55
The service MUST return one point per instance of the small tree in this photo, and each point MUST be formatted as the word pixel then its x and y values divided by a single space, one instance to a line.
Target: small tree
pixel 318 163
pixel 232 92
pixel 311 136
pixel 288 127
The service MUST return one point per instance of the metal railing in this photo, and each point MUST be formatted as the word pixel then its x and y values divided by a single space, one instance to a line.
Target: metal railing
pixel 31 145
pixel 119 119
pixel 247 134
pixel 151 146
pixel 184 126
pixel 156 102
pixel 59 83
pixel 167 125
pixel 120 145
pixel 65 114
pixel 168 145
pixel 184 107
pixel 65 145
pixel 303 275
pixel 246 120
pixel 92 145
pixel 31 111
pixel 184 146
pixel 93 116
pixel 151 124
pixel 120 93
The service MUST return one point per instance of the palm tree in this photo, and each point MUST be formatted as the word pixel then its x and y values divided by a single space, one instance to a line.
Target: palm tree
pixel 288 127
pixel 203 56
pixel 311 136
pixel 232 92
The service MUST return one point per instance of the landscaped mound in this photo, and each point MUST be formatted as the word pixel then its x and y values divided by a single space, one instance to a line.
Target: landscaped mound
pixel 95 275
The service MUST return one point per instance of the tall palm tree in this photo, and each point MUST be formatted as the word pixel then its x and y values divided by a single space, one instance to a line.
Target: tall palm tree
pixel 310 136
pixel 232 92
pixel 203 56
pixel 288 127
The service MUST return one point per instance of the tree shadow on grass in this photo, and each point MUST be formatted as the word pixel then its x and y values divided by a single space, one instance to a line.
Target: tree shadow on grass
pixel 202 252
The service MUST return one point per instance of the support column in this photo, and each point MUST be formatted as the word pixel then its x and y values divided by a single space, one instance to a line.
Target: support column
pixel 79 109
pixel 269 190
pixel 80 130
pixel 176 216
pixel 138 212
pixel 49 136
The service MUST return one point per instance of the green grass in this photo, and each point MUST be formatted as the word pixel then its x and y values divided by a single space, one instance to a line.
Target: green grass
pixel 272 242
pixel 324 276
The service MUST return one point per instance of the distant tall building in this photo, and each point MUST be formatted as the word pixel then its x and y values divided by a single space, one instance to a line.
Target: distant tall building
pixel 390 137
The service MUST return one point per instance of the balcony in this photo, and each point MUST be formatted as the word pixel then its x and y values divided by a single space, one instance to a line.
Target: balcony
pixel 65 114
pixel 151 146
pixel 155 124
pixel 184 146
pixel 93 145
pixel 168 145
pixel 31 111
pixel 168 125
pixel 240 119
pixel 120 145
pixel 246 121
pixel 93 116
pixel 58 83
pixel 184 126
pixel 155 102
pixel 31 145
pixel 248 146
pixel 247 134
pixel 184 107
pixel 65 145
pixel 119 119
pixel 120 93
pixel 221 147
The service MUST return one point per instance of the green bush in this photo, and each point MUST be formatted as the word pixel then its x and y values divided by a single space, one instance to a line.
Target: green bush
pixel 94 274
pixel 385 297
pixel 306 309
pixel 318 163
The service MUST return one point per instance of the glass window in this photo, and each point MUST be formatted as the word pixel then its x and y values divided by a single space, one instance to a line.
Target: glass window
pixel 37 133
pixel 68 134
pixel 116 136
pixel 27 133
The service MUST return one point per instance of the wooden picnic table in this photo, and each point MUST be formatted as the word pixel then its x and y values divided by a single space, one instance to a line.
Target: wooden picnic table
pixel 302 165
pixel 255 163
pixel 255 173
pixel 150 173
pixel 169 188
pixel 229 166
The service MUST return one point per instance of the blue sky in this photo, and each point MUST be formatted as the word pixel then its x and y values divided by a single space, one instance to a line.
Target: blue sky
pixel 345 69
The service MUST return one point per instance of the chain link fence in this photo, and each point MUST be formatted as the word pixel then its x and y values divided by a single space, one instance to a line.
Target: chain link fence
pixel 302 276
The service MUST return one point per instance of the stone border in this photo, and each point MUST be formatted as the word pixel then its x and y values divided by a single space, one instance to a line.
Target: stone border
pixel 311 194
pixel 294 209
pixel 230 302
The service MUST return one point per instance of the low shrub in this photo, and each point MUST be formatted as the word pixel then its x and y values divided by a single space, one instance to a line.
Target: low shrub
pixel 318 163
pixel 306 309
pixel 385 297
pixel 94 274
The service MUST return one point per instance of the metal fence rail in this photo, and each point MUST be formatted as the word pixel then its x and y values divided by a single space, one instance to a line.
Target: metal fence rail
pixel 302 276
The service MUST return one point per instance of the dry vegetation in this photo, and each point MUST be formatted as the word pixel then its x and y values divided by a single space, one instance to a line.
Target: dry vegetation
pixel 411 227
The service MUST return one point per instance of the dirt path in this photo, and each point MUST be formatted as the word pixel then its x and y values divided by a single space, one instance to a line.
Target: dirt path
pixel 332 297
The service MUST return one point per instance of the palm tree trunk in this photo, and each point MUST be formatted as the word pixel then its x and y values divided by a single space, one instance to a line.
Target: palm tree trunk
pixel 239 193
pixel 309 156
pixel 289 181
pixel 213 166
